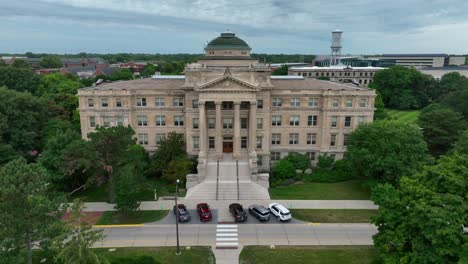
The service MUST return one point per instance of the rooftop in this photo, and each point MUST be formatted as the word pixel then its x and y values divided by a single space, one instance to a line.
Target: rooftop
pixel 336 67
pixel 416 55
pixel 227 41
pixel 446 68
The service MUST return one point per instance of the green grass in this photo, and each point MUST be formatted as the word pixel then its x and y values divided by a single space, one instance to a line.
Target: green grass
pixel 99 193
pixel 163 255
pixel 137 217
pixel 344 190
pixel 309 254
pixel 404 116
pixel 334 215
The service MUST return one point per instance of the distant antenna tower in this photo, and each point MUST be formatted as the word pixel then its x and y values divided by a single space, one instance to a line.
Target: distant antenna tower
pixel 336 47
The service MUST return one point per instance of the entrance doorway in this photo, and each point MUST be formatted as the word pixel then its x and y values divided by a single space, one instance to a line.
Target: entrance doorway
pixel 227 145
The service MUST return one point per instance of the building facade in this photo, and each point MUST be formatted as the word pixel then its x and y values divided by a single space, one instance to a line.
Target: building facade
pixel 424 60
pixel 361 76
pixel 227 103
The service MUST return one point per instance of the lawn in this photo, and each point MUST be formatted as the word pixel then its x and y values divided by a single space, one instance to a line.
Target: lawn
pixel 334 215
pixel 163 255
pixel 404 116
pixel 137 217
pixel 309 254
pixel 344 190
pixel 99 193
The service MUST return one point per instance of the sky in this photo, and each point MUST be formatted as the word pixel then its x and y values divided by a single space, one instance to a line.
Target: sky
pixel 268 26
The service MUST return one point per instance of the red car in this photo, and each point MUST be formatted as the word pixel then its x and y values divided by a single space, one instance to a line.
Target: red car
pixel 204 212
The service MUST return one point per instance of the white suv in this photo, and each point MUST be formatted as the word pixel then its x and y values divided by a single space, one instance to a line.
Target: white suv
pixel 280 211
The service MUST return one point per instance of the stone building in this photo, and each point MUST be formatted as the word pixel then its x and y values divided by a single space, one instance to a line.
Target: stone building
pixel 228 106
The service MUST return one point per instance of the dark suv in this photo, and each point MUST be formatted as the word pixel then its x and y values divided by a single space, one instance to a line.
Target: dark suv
pixel 184 215
pixel 259 212
pixel 238 212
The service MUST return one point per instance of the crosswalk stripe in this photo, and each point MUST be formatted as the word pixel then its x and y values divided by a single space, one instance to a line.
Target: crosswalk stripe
pixel 227 244
pixel 226 226
pixel 226 234
pixel 226 230
pixel 226 239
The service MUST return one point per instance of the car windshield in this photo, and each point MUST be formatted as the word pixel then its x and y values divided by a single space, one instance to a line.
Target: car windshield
pixel 263 212
pixel 287 213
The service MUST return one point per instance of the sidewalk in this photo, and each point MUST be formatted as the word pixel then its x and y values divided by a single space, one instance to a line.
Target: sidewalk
pixel 220 204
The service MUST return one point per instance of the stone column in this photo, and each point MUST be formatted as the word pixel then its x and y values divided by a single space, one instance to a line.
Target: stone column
pixel 253 127
pixel 237 136
pixel 202 155
pixel 218 125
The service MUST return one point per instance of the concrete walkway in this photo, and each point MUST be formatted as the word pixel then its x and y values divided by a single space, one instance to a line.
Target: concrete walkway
pixel 223 204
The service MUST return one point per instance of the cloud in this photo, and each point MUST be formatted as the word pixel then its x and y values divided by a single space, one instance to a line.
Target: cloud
pixel 268 25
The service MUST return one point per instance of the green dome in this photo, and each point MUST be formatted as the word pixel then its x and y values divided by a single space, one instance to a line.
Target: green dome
pixel 227 41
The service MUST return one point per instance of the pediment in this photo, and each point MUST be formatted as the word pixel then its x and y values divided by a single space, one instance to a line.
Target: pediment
pixel 227 83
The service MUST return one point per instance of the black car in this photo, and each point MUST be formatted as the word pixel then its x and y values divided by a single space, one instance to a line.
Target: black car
pixel 184 215
pixel 260 212
pixel 238 212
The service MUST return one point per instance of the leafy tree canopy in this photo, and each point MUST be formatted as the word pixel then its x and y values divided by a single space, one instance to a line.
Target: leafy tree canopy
pixel 19 79
pixel 20 64
pixel 461 145
pixel 51 62
pixel 171 148
pixel 457 101
pixel 283 70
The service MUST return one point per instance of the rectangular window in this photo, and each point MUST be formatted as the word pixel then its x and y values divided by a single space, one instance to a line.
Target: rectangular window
pixel 227 123
pixel 211 143
pixel 196 142
pixel 363 102
pixel 106 121
pixel 243 142
pixel 118 102
pixel 119 120
pixel 179 121
pixel 143 139
pixel 334 121
pixel 275 120
pixel 260 104
pixel 90 102
pixel 160 102
pixel 178 102
pixel 313 101
pixel 195 123
pixel 277 102
pixel 311 155
pixel 259 123
pixel 312 120
pixel 275 139
pixel 345 139
pixel 293 139
pixel 336 103
pixel 347 121
pixel 311 138
pixel 92 121
pixel 243 123
pixel 333 140
pixel 275 156
pixel 141 101
pixel 362 120
pixel 160 120
pixel 195 104
pixel 349 102
pixel 259 142
pixel 295 102
pixel 142 120
pixel 104 102
pixel 294 120
pixel 160 138
pixel 211 123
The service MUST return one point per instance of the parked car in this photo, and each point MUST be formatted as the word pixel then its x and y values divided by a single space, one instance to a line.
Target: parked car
pixel 280 211
pixel 204 212
pixel 184 215
pixel 260 212
pixel 238 212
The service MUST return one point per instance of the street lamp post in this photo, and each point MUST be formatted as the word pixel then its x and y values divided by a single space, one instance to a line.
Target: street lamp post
pixel 177 217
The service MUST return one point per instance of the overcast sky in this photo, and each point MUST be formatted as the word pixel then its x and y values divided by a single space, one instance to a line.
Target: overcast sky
pixel 270 26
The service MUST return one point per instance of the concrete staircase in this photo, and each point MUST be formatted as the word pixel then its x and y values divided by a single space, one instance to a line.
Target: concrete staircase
pixel 227 186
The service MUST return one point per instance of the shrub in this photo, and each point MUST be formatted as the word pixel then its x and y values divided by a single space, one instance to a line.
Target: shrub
pixel 134 260
pixel 299 161
pixel 325 161
pixel 282 170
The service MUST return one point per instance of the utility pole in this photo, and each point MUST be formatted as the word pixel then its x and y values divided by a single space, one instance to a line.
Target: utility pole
pixel 177 217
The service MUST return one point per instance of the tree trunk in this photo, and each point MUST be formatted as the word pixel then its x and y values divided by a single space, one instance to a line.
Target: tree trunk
pixel 111 185
pixel 29 248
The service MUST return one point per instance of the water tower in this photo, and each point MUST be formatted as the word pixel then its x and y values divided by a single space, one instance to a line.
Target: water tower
pixel 336 47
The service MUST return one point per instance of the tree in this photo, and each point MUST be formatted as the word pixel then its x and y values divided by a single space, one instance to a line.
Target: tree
pixel 379 113
pixel 457 101
pixel 386 150
pixel 283 70
pixel 30 213
pixel 58 83
pixel 283 170
pixel 451 82
pixel 177 169
pixel 23 118
pixel 149 70
pixel 299 161
pixel 461 145
pixel 80 239
pixel 51 62
pixel 20 64
pixel 441 127
pixel 171 148
pixel 421 221
pixel 111 146
pixel 122 74
pixel 20 80
pixel 403 88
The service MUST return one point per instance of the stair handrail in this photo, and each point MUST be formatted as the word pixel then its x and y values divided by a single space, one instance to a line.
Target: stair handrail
pixel 237 169
pixel 217 179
